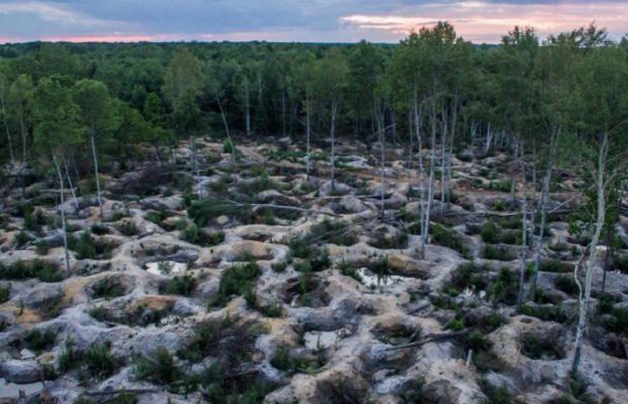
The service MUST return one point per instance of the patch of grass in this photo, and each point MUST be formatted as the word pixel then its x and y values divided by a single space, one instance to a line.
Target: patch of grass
pixel 556 266
pixel 158 368
pixel 545 313
pixel 567 284
pixel 128 228
pixel 504 288
pixel 237 280
pixel 283 360
pixel 5 293
pixel 39 341
pixel 43 270
pixel 332 232
pixel 202 212
pixel 448 238
pixel 279 267
pixel 535 348
pixel 108 288
pixel 179 285
pixel 347 269
pixel 384 241
pixel 491 252
pixel 491 233
pixel 98 360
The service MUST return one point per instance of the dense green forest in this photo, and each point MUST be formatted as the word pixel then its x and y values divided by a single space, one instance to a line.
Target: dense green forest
pixel 431 81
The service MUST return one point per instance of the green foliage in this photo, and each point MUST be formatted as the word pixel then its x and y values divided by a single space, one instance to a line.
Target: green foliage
pixel 43 270
pixel 5 293
pixel 98 360
pixel 158 368
pixel 179 285
pixel 237 280
pixel 491 252
pixel 202 212
pixel 40 341
pixel 567 284
pixel 108 288
pixel 448 238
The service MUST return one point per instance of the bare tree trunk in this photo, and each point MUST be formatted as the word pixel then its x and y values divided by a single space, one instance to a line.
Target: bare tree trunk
pixel 610 249
pixel 224 121
pixel 307 135
pixel 539 241
pixel 247 104
pixel 62 194
pixel 334 109
pixel 382 131
pixel 524 235
pixel 443 158
pixel 454 121
pixel 67 174
pixel 7 129
pixel 585 294
pixel 95 156
pixel 422 207
pixel 430 192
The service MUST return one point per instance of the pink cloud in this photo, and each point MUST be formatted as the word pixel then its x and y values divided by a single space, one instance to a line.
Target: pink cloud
pixel 487 22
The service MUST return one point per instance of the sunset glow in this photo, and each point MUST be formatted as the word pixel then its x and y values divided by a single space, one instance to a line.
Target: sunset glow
pixel 275 20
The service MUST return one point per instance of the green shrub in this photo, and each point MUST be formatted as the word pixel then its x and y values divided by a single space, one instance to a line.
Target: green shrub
pixel 457 324
pixel 5 293
pixel 491 252
pixel 504 288
pixel 347 269
pixel 98 360
pixel 382 241
pixel 545 313
pixel 179 285
pixel 202 212
pixel 491 233
pixel 332 232
pixel 535 348
pixel 237 280
pixel 108 288
pixel 283 360
pixel 159 368
pixel 567 284
pixel 448 238
pixel 128 228
pixel 44 270
pixel 556 266
pixel 38 340
pixel 279 267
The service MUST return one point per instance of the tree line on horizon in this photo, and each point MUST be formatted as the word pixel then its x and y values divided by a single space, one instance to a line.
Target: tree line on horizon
pixel 558 102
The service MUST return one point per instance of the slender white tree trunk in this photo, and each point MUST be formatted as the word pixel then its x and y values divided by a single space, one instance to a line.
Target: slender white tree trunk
pixel 247 105
pixel 97 173
pixel 7 129
pixel 524 234
pixel 63 224
pixel 430 192
pixel 585 294
pixel 334 109
pixel 69 177
pixel 226 124
pixel 308 162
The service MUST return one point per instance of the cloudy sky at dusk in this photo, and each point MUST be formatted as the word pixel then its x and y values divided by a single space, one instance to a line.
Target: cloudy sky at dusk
pixel 292 20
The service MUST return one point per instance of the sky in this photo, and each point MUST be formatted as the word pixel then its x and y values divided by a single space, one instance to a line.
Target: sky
pixel 293 20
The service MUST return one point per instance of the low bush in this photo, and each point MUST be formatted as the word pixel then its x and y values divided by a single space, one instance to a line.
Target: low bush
pixel 237 280
pixel 98 360
pixel 491 252
pixel 567 284
pixel 179 285
pixel 43 270
pixel 38 340
pixel 448 238
pixel 5 293
pixel 158 368
pixel 108 288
